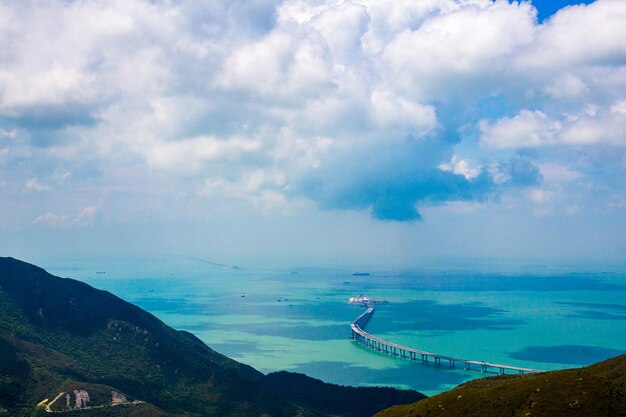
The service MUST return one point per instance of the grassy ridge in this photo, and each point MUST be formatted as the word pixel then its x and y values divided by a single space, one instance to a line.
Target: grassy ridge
pixel 595 391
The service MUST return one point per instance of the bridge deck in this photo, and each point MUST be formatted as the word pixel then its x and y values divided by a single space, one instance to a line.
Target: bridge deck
pixel 373 342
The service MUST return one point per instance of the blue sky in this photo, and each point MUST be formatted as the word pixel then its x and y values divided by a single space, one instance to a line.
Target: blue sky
pixel 546 8
pixel 314 130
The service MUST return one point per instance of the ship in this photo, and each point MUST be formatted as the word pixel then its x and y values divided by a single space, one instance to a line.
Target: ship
pixel 365 300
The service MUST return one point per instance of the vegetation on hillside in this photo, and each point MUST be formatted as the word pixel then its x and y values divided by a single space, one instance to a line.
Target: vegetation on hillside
pixel 334 399
pixel 57 334
pixel 595 391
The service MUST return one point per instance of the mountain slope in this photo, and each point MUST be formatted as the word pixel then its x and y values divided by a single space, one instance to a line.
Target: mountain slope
pixel 331 398
pixel 56 331
pixel 598 390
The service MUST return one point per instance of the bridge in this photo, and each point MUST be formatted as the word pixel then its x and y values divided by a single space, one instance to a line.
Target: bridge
pixel 372 342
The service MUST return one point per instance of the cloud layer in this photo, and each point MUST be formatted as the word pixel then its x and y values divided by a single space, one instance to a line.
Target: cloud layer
pixel 378 106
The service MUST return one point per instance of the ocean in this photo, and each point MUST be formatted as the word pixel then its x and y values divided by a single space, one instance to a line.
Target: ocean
pixel 297 319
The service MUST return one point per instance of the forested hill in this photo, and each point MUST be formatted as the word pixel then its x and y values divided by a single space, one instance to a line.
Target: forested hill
pixel 70 347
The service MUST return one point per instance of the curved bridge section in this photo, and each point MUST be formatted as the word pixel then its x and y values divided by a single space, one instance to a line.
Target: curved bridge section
pixel 372 342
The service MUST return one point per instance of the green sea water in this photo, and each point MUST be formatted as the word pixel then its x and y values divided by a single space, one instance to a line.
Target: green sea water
pixel 297 319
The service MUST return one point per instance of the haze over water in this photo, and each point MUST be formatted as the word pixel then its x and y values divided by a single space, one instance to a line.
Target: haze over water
pixel 297 319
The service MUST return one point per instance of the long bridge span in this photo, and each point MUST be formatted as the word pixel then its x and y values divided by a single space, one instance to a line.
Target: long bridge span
pixel 372 342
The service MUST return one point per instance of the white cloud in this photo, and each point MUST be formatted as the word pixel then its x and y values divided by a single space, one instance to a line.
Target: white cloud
pixel 302 153
pixel 392 111
pixel 211 92
pixel 467 43
pixel 342 26
pixel 460 167
pixel 258 187
pixel 283 65
pixel 61 175
pixel 539 195
pixel 87 214
pixel 10 134
pixel 567 86
pixel 527 129
pixel 191 155
pixel 579 35
pixel 555 173
pixel 390 18
pixel 619 107
pixel 33 184
pixel 52 85
pixel 601 127
pixel 84 54
pixel 50 219
pixel 534 129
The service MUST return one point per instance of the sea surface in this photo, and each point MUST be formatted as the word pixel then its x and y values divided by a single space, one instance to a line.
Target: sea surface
pixel 297 319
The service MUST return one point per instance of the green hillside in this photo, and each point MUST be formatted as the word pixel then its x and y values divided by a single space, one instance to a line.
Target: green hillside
pixel 595 391
pixel 61 338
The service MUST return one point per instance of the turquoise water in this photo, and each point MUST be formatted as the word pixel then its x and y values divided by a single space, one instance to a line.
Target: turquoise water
pixel 297 319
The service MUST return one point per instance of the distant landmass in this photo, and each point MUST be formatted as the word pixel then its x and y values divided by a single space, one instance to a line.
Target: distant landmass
pixel 67 347
pixel 595 391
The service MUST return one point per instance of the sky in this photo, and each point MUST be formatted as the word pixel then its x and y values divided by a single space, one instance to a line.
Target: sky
pixel 314 131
